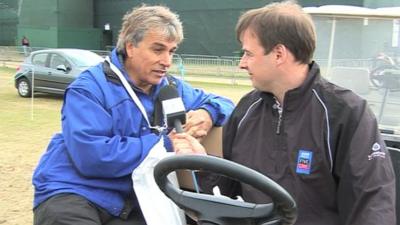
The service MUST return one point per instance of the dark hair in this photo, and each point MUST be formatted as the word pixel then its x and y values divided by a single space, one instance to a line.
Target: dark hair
pixel 281 23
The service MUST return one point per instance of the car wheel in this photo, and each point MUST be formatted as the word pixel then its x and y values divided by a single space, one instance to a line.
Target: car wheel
pixel 24 88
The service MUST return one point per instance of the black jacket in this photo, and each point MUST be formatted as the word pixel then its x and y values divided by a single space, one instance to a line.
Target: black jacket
pixel 350 180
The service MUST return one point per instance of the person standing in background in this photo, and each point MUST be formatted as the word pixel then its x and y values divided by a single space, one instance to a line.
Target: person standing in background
pixel 25 45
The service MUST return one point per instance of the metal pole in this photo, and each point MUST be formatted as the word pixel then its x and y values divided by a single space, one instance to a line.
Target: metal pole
pixel 181 68
pixel 32 94
pixel 331 45
pixel 380 115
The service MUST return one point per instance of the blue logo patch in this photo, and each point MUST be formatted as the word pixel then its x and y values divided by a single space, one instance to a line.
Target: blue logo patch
pixel 304 160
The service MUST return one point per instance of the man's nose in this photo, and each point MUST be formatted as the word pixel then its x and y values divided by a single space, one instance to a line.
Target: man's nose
pixel 243 63
pixel 166 59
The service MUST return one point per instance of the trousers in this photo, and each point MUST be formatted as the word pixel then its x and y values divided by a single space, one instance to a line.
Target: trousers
pixel 72 209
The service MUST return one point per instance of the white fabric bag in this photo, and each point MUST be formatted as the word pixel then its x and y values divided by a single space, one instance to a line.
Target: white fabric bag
pixel 156 207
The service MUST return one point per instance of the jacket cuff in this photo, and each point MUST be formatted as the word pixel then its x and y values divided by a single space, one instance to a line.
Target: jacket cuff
pixel 212 112
pixel 167 143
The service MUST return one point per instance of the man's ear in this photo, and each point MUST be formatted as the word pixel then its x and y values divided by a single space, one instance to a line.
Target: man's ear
pixel 129 48
pixel 280 53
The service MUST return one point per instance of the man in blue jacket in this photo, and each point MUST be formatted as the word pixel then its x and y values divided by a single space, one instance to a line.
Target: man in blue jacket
pixel 85 175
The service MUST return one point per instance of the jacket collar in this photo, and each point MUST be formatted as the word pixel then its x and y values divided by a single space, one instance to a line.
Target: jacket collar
pixel 296 97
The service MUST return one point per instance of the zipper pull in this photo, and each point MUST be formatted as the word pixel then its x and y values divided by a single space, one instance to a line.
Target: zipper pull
pixel 279 108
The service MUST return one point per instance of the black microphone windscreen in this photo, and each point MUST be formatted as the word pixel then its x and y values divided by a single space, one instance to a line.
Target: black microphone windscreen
pixel 168 92
pixel 172 105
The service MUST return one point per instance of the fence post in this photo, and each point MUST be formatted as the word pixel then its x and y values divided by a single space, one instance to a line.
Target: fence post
pixel 181 68
pixel 32 86
pixel 219 64
pixel 234 69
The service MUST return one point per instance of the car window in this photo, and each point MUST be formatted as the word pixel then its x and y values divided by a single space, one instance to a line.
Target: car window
pixel 39 59
pixel 56 60
pixel 84 58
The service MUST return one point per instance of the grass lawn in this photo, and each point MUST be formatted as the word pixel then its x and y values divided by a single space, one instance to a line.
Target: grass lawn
pixel 26 127
pixel 22 141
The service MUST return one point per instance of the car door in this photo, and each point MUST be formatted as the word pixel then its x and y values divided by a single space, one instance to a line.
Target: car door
pixel 59 78
pixel 40 70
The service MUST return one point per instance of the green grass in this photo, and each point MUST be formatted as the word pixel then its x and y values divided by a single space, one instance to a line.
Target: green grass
pixel 233 92
pixel 41 116
pixel 26 127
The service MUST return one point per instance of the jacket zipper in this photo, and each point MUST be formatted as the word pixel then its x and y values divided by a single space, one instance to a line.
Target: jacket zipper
pixel 279 108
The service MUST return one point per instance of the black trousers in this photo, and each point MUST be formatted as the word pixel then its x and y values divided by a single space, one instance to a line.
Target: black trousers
pixel 72 209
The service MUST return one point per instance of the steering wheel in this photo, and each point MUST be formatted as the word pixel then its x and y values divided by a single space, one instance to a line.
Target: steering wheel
pixel 221 210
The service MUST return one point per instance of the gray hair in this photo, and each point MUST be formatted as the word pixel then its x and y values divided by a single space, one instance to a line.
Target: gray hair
pixel 139 21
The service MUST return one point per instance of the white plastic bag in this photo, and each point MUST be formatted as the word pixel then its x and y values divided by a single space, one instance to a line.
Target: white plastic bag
pixel 156 207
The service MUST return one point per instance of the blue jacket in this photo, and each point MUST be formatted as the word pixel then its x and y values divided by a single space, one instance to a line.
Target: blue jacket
pixel 105 137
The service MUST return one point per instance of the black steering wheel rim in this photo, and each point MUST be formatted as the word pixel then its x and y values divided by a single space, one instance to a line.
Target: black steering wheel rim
pixel 283 208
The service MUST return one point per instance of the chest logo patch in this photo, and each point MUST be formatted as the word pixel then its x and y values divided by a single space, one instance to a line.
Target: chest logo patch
pixel 304 160
pixel 376 152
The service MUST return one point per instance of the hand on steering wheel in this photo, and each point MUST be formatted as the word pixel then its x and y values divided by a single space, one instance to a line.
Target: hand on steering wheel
pixel 217 210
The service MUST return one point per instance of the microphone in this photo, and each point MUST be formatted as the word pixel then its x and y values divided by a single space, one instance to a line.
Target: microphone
pixel 172 107
pixel 174 114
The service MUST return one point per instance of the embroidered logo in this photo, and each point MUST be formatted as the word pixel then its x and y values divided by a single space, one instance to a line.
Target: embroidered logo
pixel 376 152
pixel 304 160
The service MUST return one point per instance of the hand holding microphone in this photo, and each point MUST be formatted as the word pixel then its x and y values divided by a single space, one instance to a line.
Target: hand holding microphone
pixel 174 116
pixel 198 123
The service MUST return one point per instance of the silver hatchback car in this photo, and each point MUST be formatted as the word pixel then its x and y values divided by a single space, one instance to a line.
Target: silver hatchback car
pixel 52 70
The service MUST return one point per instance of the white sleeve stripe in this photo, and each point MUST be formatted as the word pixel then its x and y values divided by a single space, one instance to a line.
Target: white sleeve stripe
pixel 328 135
pixel 247 112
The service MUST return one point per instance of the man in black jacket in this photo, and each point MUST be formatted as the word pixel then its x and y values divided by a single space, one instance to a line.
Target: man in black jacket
pixel 319 141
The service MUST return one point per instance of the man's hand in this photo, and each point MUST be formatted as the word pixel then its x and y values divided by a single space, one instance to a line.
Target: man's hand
pixel 198 123
pixel 186 144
